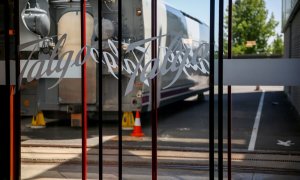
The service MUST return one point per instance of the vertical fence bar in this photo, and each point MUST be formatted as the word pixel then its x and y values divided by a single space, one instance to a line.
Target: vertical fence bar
pixel 83 89
pixel 229 101
pixel 154 112
pixel 100 86
pixel 17 97
pixel 7 42
pixel 120 87
pixel 220 92
pixel 8 58
pixel 211 89
pixel 12 119
pixel 6 115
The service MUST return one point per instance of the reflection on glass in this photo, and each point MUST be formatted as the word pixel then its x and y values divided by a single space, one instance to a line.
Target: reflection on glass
pixel 50 48
pixel 287 8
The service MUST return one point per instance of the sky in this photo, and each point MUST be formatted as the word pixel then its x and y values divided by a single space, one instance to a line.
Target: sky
pixel 200 9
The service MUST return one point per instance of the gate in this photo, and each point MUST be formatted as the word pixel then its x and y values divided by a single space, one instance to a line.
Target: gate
pixel 221 72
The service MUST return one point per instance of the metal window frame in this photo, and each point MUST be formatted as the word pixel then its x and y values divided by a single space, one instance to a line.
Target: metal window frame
pixel 120 150
pixel 154 111
pixel 100 86
pixel 83 89
pixel 5 127
pixel 229 95
pixel 211 89
pixel 17 99
pixel 220 90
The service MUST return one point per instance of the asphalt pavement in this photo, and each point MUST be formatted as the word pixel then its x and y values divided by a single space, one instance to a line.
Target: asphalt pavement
pixel 186 124
pixel 262 121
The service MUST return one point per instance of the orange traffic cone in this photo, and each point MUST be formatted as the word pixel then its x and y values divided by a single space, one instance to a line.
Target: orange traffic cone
pixel 137 131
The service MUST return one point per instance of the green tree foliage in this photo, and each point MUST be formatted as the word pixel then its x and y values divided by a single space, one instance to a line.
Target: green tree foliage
pixel 277 45
pixel 250 22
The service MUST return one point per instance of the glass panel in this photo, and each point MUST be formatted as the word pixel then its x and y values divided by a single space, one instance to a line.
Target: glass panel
pixel 183 95
pixel 265 122
pixel 179 34
pixel 179 41
pixel 264 119
pixel 50 44
pixel 51 107
pixel 287 8
pixel 110 87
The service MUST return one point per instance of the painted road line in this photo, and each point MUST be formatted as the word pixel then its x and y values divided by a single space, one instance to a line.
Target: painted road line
pixel 91 142
pixel 107 138
pixel 177 140
pixel 256 123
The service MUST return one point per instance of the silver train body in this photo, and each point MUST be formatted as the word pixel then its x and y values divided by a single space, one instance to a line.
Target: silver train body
pixel 64 18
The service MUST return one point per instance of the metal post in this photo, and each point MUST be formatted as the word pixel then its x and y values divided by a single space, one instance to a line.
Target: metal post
pixel 211 88
pixel 7 42
pixel 229 101
pixel 100 86
pixel 154 112
pixel 5 150
pixel 17 98
pixel 12 119
pixel 120 85
pixel 83 90
pixel 5 128
pixel 220 92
